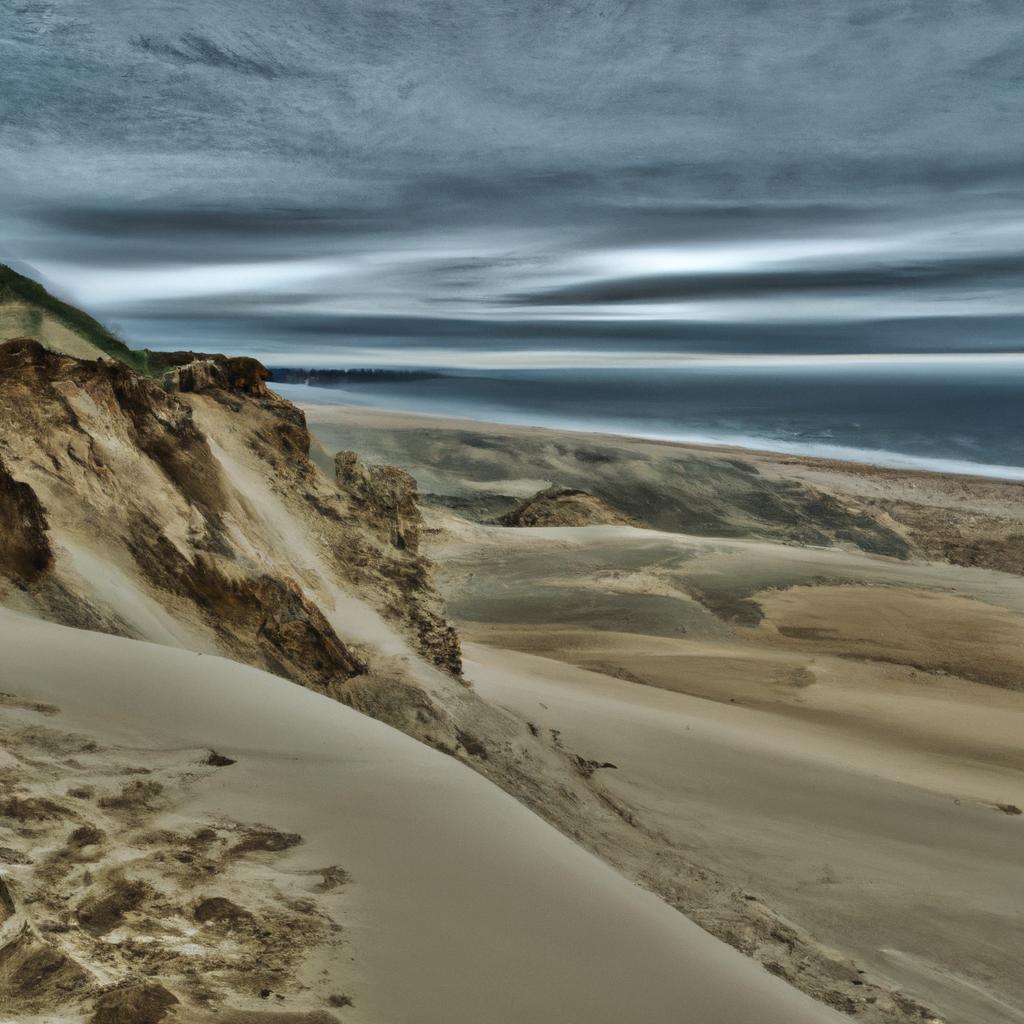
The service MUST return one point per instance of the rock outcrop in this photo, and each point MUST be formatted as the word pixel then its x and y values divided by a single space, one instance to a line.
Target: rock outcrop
pixel 564 506
pixel 386 501
pixel 385 495
pixel 25 551
pixel 233 373
pixel 199 493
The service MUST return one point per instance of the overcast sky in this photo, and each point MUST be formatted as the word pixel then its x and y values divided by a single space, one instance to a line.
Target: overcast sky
pixel 325 176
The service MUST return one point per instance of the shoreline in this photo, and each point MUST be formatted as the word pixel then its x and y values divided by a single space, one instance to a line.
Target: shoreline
pixel 898 464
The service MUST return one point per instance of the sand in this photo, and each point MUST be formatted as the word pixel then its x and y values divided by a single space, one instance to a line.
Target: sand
pixel 482 470
pixel 912 880
pixel 828 729
pixel 20 319
pixel 853 741
pixel 462 905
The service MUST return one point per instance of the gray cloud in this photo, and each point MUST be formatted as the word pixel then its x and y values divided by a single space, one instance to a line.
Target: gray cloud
pixel 438 162
pixel 983 271
pixel 192 48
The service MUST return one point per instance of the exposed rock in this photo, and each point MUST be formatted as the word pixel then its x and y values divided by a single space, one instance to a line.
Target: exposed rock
pixel 195 376
pixel 233 373
pixel 145 1003
pixel 123 459
pixel 102 913
pixel 7 908
pixel 471 744
pixel 264 619
pixel 332 878
pixel 385 495
pixel 564 506
pixel 30 808
pixel 86 835
pixel 385 500
pixel 25 551
pixel 219 910
pixel 32 972
pixel 261 839
pixel 39 391
pixel 133 795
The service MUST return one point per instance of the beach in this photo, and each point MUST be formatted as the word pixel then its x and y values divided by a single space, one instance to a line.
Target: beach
pixel 825 728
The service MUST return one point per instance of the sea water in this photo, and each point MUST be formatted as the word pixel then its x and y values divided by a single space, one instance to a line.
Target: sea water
pixel 950 416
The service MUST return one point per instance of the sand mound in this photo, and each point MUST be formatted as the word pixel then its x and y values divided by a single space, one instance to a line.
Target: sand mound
pixel 147 1003
pixel 34 973
pixel 564 506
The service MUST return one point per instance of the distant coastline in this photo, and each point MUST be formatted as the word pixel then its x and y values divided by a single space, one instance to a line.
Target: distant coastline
pixel 332 378
pixel 912 444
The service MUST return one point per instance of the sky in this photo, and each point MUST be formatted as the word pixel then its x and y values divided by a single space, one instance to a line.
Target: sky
pixel 464 183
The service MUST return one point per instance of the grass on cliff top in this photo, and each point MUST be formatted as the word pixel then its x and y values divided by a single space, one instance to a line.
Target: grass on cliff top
pixel 16 286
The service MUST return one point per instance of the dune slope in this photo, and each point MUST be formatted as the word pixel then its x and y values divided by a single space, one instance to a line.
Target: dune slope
pixel 460 904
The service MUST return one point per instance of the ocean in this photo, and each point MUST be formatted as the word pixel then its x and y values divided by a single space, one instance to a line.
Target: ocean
pixel 947 416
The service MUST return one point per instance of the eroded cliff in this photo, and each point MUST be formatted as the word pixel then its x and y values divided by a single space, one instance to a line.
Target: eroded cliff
pixel 127 500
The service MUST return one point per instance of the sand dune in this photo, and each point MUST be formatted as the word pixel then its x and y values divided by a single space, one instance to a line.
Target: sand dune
pixel 482 470
pixel 461 906
pixel 923 887
pixel 841 750
pixel 800 717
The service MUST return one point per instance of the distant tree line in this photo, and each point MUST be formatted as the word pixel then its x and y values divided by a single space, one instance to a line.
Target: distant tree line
pixel 336 378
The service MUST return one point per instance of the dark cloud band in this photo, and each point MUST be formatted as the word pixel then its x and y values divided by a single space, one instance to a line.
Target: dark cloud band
pixel 987 271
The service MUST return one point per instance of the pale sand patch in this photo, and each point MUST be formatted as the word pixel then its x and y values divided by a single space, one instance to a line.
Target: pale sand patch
pixel 464 906
pixel 121 594
pixel 931 631
pixel 884 710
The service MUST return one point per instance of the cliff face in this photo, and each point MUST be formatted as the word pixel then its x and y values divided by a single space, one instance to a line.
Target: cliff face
pixel 387 497
pixel 386 501
pixel 187 511
pixel 25 551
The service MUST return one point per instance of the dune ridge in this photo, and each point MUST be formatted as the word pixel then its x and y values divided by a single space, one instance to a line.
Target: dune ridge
pixel 449 900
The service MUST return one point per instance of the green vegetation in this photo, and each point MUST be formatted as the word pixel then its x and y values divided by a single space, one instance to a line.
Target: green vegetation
pixel 18 288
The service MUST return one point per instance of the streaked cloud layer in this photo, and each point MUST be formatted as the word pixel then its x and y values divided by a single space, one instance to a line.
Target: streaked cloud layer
pixel 620 178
